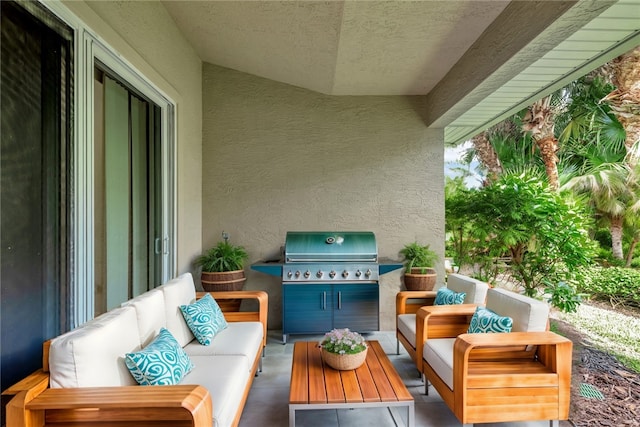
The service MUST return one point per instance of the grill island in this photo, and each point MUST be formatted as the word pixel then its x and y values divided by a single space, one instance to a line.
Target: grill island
pixel 329 280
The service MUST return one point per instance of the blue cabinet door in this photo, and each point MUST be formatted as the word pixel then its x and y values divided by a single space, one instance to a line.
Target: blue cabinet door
pixel 356 307
pixel 306 308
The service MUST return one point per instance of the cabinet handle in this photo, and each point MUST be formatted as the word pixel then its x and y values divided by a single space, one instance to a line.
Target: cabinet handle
pixel 324 300
pixel 339 300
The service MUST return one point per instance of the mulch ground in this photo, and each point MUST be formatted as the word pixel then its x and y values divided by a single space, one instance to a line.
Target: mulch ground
pixel 619 403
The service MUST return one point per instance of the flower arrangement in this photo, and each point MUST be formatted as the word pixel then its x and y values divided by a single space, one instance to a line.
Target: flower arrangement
pixel 343 341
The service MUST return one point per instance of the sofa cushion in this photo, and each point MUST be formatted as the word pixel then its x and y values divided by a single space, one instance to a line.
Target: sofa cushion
pixel 475 290
pixel 151 314
pixel 486 321
pixel 446 296
pixel 205 319
pixel 407 326
pixel 178 291
pixel 528 314
pixel 439 354
pixel 93 354
pixel 162 362
pixel 226 379
pixel 238 339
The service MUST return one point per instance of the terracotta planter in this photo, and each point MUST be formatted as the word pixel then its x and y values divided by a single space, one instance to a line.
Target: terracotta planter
pixel 224 281
pixel 416 281
pixel 344 362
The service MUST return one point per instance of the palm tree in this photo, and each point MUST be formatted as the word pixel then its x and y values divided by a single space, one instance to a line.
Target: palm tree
pixel 539 122
pixel 624 73
pixel 487 156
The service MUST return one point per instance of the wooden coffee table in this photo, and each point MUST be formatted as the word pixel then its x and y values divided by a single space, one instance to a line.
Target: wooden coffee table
pixel 314 385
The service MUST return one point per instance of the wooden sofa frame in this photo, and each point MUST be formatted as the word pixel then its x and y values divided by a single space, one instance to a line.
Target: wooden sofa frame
pixel 409 302
pixel 516 376
pixel 36 405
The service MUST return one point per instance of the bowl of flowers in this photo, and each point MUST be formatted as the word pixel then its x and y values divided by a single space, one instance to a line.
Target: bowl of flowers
pixel 343 349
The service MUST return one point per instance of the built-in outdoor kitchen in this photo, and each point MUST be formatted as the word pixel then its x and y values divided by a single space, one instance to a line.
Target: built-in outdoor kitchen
pixel 330 279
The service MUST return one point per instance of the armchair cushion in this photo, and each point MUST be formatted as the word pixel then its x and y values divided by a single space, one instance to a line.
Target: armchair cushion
pixel 475 290
pixel 486 321
pixel 528 314
pixel 407 327
pixel 439 353
pixel 162 362
pixel 205 318
pixel 446 296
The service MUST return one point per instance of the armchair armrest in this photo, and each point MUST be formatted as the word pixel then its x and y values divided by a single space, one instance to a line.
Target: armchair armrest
pixel 516 359
pixel 262 299
pixel 403 306
pixel 181 405
pixel 441 321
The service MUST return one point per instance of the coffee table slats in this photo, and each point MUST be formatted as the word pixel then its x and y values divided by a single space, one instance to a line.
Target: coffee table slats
pixel 396 382
pixel 385 390
pixel 299 386
pixel 317 388
pixel 367 385
pixel 351 388
pixel 333 383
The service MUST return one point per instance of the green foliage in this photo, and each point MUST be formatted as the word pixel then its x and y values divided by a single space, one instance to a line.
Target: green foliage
pixel 517 216
pixel 563 297
pixel 222 257
pixel 614 284
pixel 416 255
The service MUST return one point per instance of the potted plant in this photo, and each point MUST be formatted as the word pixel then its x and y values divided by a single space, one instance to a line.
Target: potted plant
pixel 223 268
pixel 419 273
pixel 343 349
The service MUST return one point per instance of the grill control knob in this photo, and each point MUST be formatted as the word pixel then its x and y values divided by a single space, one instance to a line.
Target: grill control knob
pixel 297 274
pixel 367 273
pixel 307 274
pixel 319 274
pixel 332 274
pixel 289 274
pixel 345 274
pixel 358 273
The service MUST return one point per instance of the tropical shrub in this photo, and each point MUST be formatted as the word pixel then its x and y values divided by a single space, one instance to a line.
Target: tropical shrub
pixel 616 285
pixel 563 296
pixel 518 216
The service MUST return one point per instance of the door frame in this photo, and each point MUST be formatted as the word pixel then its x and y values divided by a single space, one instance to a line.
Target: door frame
pixel 90 49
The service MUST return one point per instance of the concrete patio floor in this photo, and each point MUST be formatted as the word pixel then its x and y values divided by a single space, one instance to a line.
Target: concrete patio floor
pixel 267 404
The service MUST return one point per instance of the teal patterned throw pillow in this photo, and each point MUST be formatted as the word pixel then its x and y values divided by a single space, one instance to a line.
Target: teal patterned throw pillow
pixel 162 362
pixel 485 320
pixel 205 319
pixel 446 296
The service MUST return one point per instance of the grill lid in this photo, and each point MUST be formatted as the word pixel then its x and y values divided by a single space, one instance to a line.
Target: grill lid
pixel 330 246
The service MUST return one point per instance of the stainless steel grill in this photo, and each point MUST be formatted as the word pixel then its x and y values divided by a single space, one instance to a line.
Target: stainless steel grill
pixel 330 257
pixel 329 280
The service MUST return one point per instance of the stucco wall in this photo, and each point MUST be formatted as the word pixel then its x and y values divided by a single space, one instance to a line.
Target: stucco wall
pixel 278 158
pixel 146 36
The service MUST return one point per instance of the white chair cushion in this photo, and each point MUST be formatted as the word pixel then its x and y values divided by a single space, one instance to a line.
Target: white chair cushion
pixel 439 354
pixel 225 377
pixel 528 314
pixel 177 292
pixel 475 290
pixel 93 354
pixel 238 339
pixel 151 314
pixel 407 326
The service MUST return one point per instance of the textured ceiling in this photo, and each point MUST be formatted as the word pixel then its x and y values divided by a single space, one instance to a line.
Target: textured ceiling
pixel 457 53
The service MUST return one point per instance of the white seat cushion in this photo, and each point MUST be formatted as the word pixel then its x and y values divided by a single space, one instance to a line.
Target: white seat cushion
pixel 407 326
pixel 225 377
pixel 93 354
pixel 238 339
pixel 439 354
pixel 177 292
pixel 475 290
pixel 528 314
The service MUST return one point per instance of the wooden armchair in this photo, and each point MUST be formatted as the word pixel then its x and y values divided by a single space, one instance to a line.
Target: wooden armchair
pixel 496 377
pixel 409 302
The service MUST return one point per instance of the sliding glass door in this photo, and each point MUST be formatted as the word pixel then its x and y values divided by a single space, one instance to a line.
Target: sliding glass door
pixel 127 192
